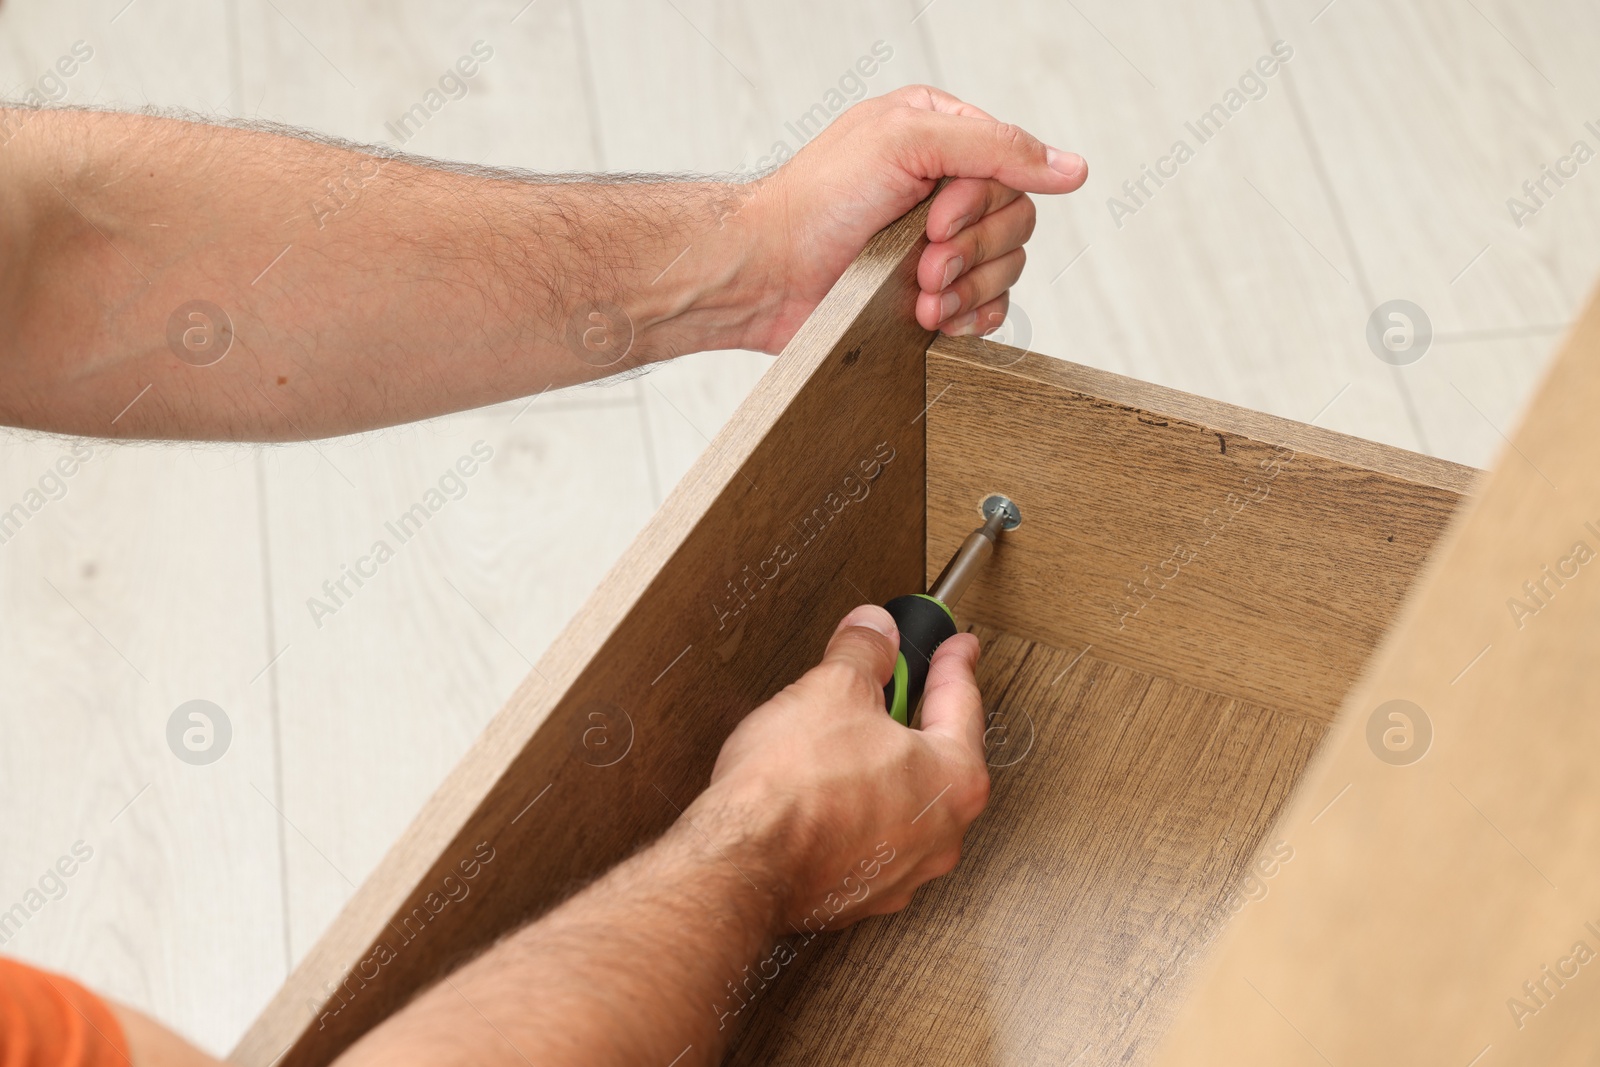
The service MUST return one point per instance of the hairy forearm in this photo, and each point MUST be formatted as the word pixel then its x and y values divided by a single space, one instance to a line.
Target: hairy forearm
pixel 629 971
pixel 361 290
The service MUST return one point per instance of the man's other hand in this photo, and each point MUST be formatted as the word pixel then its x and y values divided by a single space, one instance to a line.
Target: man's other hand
pixel 811 217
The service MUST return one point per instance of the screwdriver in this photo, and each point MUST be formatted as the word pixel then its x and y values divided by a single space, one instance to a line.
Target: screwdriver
pixel 926 620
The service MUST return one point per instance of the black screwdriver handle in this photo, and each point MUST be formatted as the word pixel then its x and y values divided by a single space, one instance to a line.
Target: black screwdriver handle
pixel 925 624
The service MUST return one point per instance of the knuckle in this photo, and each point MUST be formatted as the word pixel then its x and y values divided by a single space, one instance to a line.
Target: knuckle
pixel 1012 136
pixel 901 124
pixel 978 249
pixel 1016 261
pixel 994 196
pixel 857 686
pixel 864 690
pixel 974 792
pixel 836 677
pixel 1030 217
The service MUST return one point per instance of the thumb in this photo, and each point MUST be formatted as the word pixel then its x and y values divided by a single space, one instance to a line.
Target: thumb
pixel 937 145
pixel 867 641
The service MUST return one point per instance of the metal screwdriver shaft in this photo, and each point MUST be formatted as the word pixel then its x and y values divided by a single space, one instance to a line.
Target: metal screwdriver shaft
pixel 926 620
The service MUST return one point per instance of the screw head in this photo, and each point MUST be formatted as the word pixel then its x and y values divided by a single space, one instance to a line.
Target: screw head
pixel 998 503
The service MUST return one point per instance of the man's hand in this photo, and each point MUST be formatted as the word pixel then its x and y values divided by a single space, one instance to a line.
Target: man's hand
pixel 821 810
pixel 872 165
pixel 861 810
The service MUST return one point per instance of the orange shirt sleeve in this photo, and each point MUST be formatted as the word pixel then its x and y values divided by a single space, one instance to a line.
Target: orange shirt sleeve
pixel 47 1020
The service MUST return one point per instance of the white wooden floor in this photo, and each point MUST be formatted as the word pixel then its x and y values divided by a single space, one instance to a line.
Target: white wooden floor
pixel 1375 165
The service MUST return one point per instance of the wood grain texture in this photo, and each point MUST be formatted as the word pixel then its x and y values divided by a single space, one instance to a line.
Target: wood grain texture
pixel 1125 809
pixel 759 70
pixel 110 627
pixel 378 702
pixel 1396 95
pixel 807 503
pixel 1225 548
pixel 353 71
pixel 1428 118
pixel 1431 885
pixel 1228 277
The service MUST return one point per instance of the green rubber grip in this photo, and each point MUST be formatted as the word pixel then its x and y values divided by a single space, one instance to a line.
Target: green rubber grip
pixel 925 624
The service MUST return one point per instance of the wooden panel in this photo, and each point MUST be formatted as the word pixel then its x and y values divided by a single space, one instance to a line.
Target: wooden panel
pixel 808 502
pixel 1445 902
pixel 1228 549
pixel 1124 808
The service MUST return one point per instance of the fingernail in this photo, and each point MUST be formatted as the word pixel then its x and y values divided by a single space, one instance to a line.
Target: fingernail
pixel 873 618
pixel 1068 163
pixel 957 226
pixel 949 304
pixel 951 269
